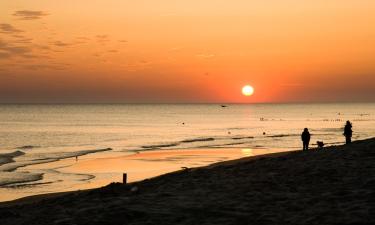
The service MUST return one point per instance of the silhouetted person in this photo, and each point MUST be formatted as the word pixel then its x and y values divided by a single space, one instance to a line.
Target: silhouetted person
pixel 348 132
pixel 305 139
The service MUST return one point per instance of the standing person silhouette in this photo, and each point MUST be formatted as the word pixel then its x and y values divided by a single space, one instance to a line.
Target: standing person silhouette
pixel 348 132
pixel 305 139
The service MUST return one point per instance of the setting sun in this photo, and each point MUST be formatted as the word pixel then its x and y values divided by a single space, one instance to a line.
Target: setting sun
pixel 247 90
pixel 108 105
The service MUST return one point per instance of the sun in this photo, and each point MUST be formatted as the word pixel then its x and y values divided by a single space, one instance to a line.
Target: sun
pixel 247 90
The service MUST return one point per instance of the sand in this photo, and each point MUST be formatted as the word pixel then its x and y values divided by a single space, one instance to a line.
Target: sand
pixel 102 168
pixel 335 185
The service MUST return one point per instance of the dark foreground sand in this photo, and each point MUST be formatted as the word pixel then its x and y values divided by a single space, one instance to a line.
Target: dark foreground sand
pixel 331 186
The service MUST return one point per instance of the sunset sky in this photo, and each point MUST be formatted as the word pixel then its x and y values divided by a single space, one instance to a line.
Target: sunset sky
pixel 186 50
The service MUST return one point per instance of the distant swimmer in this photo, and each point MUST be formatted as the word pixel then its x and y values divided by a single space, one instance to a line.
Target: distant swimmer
pixel 348 132
pixel 305 139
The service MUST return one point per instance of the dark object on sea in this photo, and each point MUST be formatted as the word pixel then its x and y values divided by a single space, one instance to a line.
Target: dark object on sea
pixel 305 139
pixel 183 123
pixel 320 144
pixel 264 133
pixel 229 132
pixel 348 132
pixel 124 178
pixel 224 106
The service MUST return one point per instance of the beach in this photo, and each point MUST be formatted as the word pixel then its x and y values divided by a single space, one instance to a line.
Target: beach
pixel 68 147
pixel 102 168
pixel 335 185
pixel 187 112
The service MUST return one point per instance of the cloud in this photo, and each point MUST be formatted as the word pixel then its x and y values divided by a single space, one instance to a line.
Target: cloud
pixel 29 15
pixel 18 36
pixel 83 38
pixel 7 28
pixel 20 39
pixel 61 44
pixel 5 55
pixel 7 50
pixel 44 67
pixel 206 56
pixel 43 47
pixel 24 41
pixel 102 38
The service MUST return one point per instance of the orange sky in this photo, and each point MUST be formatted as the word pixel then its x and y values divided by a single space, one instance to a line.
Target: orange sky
pixel 186 50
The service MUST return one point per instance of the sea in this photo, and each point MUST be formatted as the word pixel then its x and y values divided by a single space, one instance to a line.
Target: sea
pixel 39 134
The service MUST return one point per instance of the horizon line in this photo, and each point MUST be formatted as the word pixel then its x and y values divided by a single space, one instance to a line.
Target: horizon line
pixel 181 103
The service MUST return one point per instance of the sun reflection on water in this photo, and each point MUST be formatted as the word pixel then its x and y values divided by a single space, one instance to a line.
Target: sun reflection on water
pixel 247 151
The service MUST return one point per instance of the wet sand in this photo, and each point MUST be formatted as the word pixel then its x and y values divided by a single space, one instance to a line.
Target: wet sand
pixel 102 168
pixel 335 185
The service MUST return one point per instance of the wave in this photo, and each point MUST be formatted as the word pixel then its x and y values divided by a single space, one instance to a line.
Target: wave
pixel 225 144
pixel 237 128
pixel 65 155
pixel 175 144
pixel 241 138
pixel 24 180
pixel 330 143
pixel 329 129
pixel 200 142
pixel 197 140
pixel 8 178
pixel 25 147
pixel 47 158
pixel 159 146
pixel 235 141
pixel 8 157
pixel 282 135
pixel 88 177
pixel 27 184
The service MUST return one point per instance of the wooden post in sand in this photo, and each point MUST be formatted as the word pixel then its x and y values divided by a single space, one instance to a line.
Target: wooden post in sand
pixel 124 178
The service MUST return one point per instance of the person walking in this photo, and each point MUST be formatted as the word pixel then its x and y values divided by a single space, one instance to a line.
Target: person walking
pixel 348 132
pixel 305 139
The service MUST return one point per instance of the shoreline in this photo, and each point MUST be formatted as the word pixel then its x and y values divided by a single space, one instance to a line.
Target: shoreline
pixel 165 160
pixel 335 185
pixel 39 197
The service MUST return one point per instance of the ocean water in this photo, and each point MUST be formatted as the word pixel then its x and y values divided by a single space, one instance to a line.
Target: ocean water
pixel 39 134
